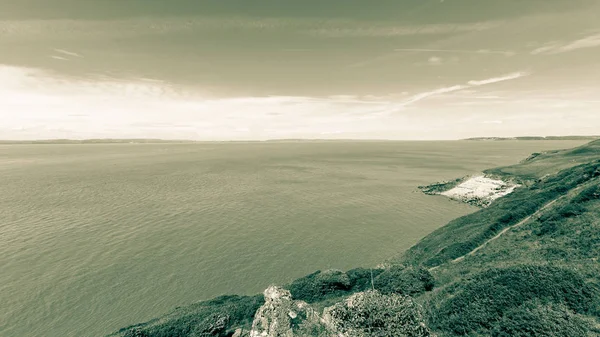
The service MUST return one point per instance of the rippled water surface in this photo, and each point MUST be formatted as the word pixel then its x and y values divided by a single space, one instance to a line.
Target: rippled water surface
pixel 96 237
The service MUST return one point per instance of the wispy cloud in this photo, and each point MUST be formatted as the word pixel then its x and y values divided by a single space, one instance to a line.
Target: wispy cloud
pixel 60 58
pixel 68 53
pixel 587 42
pixel 590 41
pixel 435 61
pixel 482 51
pixel 67 28
pixel 470 84
pixel 398 51
pixel 401 30
pixel 427 94
pixel 325 28
pixel 508 77
pixel 392 108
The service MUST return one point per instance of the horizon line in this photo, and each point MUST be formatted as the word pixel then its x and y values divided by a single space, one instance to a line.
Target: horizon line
pixel 164 140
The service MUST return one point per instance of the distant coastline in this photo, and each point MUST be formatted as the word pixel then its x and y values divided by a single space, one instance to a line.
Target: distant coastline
pixel 534 138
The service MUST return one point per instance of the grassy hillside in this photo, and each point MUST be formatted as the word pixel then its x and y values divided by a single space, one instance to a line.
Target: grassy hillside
pixel 539 165
pixel 541 277
pixel 525 266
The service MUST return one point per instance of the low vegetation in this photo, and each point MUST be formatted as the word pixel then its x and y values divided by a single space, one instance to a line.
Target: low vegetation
pixel 479 304
pixel 218 317
pixel 440 187
pixel 536 318
pixel 404 280
pixel 374 314
pixel 320 286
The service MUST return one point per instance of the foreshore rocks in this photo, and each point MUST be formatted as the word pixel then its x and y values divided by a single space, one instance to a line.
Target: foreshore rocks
pixel 478 191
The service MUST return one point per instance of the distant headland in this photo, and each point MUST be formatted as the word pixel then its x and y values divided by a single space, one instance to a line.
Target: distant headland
pixel 535 138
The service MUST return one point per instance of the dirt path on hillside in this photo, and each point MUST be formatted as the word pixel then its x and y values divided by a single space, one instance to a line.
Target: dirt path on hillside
pixel 520 223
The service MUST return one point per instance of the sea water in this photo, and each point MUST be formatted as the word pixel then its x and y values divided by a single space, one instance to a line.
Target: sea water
pixel 95 237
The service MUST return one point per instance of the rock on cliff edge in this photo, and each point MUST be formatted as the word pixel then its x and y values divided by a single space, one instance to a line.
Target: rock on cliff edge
pixel 363 314
pixel 281 316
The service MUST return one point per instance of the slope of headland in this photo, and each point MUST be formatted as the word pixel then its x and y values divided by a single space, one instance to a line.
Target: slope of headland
pixel 526 265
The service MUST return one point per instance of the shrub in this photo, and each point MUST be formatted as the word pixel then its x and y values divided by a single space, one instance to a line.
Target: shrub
pixel 217 317
pixel 567 211
pixel 135 332
pixel 534 319
pixel 374 314
pixel 480 303
pixel 547 227
pixel 571 210
pixel 332 280
pixel 551 220
pixel 404 280
pixel 588 194
pixel 360 278
pixel 319 286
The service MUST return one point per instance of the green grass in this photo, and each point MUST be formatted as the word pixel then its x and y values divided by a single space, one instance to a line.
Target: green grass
pixel 218 317
pixel 479 303
pixel 536 318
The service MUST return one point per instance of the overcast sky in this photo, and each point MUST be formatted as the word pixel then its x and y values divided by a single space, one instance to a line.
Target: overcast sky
pixel 219 70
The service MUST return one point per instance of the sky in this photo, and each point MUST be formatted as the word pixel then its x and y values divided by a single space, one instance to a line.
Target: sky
pixel 279 69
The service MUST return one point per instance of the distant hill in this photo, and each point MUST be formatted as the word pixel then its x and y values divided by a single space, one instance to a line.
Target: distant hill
pixel 535 138
pixel 93 141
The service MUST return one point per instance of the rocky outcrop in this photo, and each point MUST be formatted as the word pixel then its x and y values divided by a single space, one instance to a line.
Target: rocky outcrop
pixel 364 314
pixel 281 316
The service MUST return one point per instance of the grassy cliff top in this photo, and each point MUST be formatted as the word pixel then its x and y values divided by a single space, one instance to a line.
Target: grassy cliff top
pixel 540 165
pixel 527 265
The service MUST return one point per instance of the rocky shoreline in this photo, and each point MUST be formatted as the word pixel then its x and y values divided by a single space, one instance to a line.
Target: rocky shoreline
pixel 480 190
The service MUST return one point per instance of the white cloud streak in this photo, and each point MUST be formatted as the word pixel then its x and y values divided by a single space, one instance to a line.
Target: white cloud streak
pixel 590 41
pixel 68 53
pixel 329 28
pixel 425 95
pixel 508 77
pixel 396 107
pixel 482 51
pixel 397 30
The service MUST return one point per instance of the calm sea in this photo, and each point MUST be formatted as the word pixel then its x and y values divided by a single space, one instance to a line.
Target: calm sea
pixel 97 237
